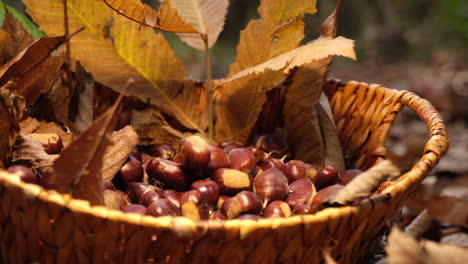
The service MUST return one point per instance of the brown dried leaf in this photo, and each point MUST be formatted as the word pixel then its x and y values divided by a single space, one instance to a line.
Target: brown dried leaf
pixel 11 110
pixel 404 249
pixel 17 39
pixel 153 128
pixel 449 209
pixel 29 125
pixel 206 16
pixel 35 67
pixel 78 169
pixel 27 149
pixel 167 18
pixel 331 142
pixel 366 182
pixel 279 30
pixel 122 143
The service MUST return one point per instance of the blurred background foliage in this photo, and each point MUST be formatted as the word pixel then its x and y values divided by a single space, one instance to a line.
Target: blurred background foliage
pixel 386 32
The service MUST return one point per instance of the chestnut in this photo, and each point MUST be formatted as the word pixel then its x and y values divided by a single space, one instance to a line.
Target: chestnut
pixel 135 209
pixel 271 185
pixel 326 176
pixel 192 196
pixel 249 217
pixel 218 215
pixel 231 181
pixel 221 200
pixel 132 170
pixel 107 185
pixel 349 175
pixel 259 154
pixel 228 145
pixel 303 191
pixel 194 211
pixel 209 189
pixel 195 154
pixel 148 198
pixel 218 159
pixel 304 209
pixel 311 172
pixel 162 207
pixel 137 155
pixel 295 169
pixel 172 196
pixel 243 202
pixel 326 194
pixel 171 174
pixel 136 189
pixel 163 151
pixel 276 209
pixel 124 200
pixel 271 144
pixel 242 159
pixel 25 173
pixel 52 143
pixel 272 163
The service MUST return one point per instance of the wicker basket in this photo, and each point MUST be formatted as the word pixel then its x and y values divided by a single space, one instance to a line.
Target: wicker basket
pixel 45 226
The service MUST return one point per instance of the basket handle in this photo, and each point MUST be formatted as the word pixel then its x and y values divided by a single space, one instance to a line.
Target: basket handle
pixel 434 148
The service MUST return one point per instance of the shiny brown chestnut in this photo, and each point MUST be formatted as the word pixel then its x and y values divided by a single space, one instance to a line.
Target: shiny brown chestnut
pixel 107 185
pixel 221 200
pixel 170 174
pixel 132 170
pixel 195 154
pixel 137 155
pixel 52 143
pixel 249 217
pixel 303 191
pixel 25 173
pixel 311 172
pixel 326 194
pixel 218 159
pixel 348 175
pixel 136 189
pixel 163 151
pixel 259 154
pixel 124 200
pixel 172 196
pixel 148 198
pixel 295 169
pixel 194 211
pixel 162 207
pixel 272 163
pixel 242 159
pixel 276 209
pixel 228 145
pixel 271 144
pixel 242 203
pixel 231 181
pixel 271 185
pixel 209 189
pixel 326 176
pixel 218 215
pixel 304 209
pixel 135 209
pixel 192 196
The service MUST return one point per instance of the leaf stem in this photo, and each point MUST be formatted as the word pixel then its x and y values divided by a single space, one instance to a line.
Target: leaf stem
pixel 209 84
pixel 67 45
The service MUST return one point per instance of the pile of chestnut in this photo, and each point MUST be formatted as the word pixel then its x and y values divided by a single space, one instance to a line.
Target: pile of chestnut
pixel 227 181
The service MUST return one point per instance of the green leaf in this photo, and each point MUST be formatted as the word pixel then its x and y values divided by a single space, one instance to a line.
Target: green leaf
pixel 28 25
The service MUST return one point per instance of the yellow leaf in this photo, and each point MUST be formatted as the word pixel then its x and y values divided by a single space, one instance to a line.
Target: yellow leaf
pixel 315 50
pixel 167 18
pixel 279 30
pixel 114 48
pixel 207 16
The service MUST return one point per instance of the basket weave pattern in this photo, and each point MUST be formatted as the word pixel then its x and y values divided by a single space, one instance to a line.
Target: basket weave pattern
pixel 45 226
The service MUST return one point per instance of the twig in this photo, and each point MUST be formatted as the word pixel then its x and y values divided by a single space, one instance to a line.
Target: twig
pixel 419 225
pixel 68 49
pixel 209 83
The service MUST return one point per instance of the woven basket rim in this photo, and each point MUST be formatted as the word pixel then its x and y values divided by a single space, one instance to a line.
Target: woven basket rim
pixel 185 227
